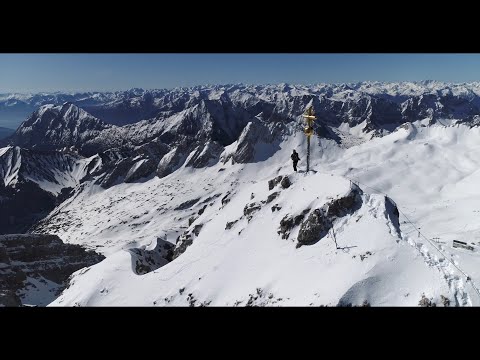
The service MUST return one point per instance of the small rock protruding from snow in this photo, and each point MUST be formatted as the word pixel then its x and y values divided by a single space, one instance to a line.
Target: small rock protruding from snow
pixel 272 196
pixel 250 209
pixel 230 224
pixel 276 207
pixel 426 302
pixel 285 182
pixel 272 183
pixel 226 199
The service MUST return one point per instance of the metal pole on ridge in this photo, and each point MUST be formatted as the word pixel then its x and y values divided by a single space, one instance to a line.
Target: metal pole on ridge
pixel 308 130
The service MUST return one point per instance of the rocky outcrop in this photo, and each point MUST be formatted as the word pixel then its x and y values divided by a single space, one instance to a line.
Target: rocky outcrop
pixel 226 198
pixel 171 162
pixel 272 196
pixel 130 166
pixel 276 207
pixel 26 259
pixel 250 136
pixel 289 222
pixel 320 221
pixel 250 209
pixel 187 204
pixel 230 224
pixel 183 242
pixel 145 261
pixel 257 132
pixel 206 155
pixel 314 228
pixel 272 183
pixel 284 181
pixel 392 214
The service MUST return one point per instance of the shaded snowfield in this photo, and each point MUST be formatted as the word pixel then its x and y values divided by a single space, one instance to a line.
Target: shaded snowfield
pixel 430 172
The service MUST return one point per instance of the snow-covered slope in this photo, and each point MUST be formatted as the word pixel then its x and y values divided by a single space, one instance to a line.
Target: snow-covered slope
pixel 251 264
pixel 223 258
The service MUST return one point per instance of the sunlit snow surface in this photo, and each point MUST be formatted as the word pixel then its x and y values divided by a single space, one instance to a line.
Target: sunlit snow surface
pixel 430 172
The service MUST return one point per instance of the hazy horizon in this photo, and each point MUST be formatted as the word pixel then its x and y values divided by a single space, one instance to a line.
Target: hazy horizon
pixel 61 91
pixel 34 73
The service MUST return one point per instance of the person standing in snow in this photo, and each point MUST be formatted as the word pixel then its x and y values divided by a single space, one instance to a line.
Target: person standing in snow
pixel 295 159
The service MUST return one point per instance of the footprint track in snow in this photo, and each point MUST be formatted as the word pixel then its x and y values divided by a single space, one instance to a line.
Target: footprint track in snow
pixel 455 283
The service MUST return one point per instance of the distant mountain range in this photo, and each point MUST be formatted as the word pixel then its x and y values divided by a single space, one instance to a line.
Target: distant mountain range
pixel 128 107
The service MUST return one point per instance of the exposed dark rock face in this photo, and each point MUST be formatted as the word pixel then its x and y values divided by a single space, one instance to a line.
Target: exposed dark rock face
pixel 315 227
pixel 29 258
pixel 210 198
pixel 115 173
pixel 254 132
pixel 250 209
pixel 272 183
pixel 320 221
pixel 257 132
pixel 392 213
pixel 285 183
pixel 192 219
pixel 200 212
pixel 230 224
pixel 286 224
pixel 345 205
pixel 23 205
pixel 171 162
pixel 205 155
pixel 145 261
pixel 9 298
pixel 187 204
pixel 197 229
pixel 289 222
pixel 272 196
pixel 183 242
pixel 226 199
pixel 276 207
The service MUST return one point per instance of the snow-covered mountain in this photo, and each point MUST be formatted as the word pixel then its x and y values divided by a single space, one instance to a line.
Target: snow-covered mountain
pixel 245 235
pixel 66 127
pixel 118 108
pixel 199 202
pixel 361 100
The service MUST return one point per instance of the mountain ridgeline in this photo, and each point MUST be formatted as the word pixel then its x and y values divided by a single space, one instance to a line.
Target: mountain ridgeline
pixel 133 135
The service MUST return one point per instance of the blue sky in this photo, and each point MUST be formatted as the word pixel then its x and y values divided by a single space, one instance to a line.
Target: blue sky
pixel 83 72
